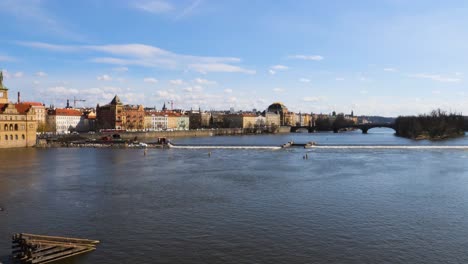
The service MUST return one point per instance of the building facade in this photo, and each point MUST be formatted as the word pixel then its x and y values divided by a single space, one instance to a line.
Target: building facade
pixel 282 111
pixel 18 123
pixel 116 115
pixel 65 120
pixel 240 120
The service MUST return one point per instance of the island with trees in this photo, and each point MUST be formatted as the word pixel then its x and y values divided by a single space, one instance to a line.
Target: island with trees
pixel 434 126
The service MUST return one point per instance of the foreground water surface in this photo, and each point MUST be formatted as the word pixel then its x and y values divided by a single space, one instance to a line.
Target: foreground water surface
pixel 342 205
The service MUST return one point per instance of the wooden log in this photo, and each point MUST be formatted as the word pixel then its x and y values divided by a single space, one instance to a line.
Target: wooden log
pixel 60 256
pixel 40 249
pixel 57 238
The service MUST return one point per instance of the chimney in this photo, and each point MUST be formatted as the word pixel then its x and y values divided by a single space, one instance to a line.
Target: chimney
pixel 68 103
pixel 19 97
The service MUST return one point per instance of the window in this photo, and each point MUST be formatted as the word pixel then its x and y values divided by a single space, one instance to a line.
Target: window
pixel 11 137
pixel 6 137
pixel 23 137
pixel 16 127
pixel 5 128
pixel 16 137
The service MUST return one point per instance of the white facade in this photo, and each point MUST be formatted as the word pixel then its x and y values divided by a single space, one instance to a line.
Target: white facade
pixel 63 124
pixel 158 122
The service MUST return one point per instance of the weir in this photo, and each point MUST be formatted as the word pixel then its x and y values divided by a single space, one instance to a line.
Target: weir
pixel 313 145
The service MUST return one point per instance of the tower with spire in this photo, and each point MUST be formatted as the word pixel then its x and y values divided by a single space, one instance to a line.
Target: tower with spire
pixel 3 91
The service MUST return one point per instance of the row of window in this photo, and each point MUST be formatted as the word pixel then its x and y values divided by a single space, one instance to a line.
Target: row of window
pixel 15 137
pixel 5 117
pixel 12 127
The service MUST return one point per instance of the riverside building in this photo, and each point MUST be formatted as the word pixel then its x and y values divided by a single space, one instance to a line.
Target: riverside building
pixel 18 123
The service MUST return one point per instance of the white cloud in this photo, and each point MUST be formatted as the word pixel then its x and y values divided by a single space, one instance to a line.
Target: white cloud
pixel 275 68
pixel 61 90
pixel 304 80
pixel 41 74
pixel 436 92
pixel 196 88
pixel 189 9
pixel 6 58
pixel 50 47
pixel 228 91
pixel 120 69
pixel 150 80
pixel 306 57
pixel 18 74
pixel 203 81
pixel 278 90
pixel 168 95
pixel 218 67
pixel 154 6
pixel 104 77
pixel 390 69
pixel 8 75
pixel 149 56
pixel 279 67
pixel 339 79
pixel 313 99
pixel 176 82
pixel 112 89
pixel 35 14
pixel 435 77
pixel 363 78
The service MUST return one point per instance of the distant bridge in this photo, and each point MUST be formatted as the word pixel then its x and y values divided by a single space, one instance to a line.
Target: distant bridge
pixel 363 127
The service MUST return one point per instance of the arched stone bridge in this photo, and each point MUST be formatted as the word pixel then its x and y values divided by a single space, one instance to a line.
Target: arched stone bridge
pixel 363 127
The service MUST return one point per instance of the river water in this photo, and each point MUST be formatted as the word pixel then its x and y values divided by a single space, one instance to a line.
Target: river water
pixel 342 205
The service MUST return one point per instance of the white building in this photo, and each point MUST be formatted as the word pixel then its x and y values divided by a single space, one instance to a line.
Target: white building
pixel 63 120
pixel 156 121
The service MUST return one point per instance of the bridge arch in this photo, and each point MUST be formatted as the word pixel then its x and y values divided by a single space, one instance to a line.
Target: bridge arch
pixel 365 127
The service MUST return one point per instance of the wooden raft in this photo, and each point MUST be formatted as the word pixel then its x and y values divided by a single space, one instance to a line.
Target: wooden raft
pixel 37 249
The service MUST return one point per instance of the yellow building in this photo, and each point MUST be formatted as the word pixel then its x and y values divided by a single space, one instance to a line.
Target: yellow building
pixel 240 120
pixel 17 122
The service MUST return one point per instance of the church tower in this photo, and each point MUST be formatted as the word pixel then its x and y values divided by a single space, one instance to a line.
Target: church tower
pixel 3 91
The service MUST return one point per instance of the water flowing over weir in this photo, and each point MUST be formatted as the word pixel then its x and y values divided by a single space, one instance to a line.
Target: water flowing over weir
pixel 408 147
pixel 226 147
pixel 391 147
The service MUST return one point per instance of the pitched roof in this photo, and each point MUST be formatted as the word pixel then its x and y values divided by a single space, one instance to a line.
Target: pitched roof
pixel 22 108
pixel 33 103
pixel 65 112
pixel 116 101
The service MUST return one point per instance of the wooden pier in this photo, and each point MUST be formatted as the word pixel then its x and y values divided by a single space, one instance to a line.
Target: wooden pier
pixel 38 249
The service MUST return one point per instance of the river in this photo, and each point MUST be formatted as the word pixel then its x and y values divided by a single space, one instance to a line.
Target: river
pixel 341 205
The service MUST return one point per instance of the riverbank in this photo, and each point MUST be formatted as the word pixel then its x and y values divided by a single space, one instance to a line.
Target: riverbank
pixel 133 139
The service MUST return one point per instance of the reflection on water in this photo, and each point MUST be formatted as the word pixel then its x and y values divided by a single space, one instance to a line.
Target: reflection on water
pixel 246 206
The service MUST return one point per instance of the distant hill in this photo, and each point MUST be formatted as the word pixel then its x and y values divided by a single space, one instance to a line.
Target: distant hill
pixel 376 119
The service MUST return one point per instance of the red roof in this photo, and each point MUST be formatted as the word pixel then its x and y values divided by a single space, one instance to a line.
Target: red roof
pixel 33 103
pixel 65 112
pixel 22 108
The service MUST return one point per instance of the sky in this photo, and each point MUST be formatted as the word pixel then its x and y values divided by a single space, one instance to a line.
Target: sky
pixel 373 57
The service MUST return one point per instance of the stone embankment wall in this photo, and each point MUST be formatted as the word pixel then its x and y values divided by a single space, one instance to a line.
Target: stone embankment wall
pixel 153 135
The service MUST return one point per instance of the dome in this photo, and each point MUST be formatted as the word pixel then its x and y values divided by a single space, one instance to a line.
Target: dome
pixel 277 107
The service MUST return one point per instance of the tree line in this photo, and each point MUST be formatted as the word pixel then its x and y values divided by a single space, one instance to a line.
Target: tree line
pixel 436 125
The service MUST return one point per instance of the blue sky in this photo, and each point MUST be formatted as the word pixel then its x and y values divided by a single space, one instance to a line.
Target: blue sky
pixel 384 57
